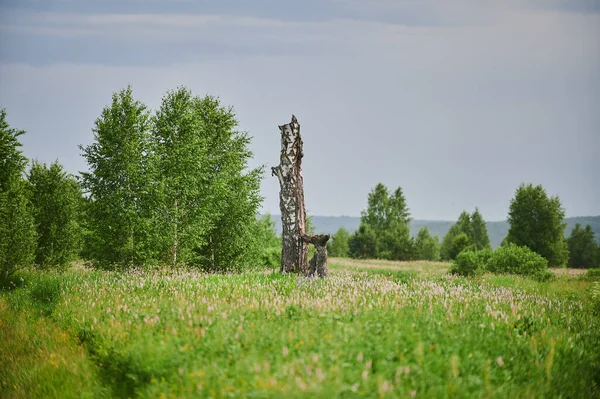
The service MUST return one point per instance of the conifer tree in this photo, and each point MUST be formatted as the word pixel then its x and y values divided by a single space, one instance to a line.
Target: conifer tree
pixel 480 238
pixel 385 227
pixel 583 249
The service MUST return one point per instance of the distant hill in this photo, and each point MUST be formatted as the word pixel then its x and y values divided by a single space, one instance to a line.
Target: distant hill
pixel 496 230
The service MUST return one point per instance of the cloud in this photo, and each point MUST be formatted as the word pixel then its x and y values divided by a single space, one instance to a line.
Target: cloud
pixel 458 106
pixel 573 6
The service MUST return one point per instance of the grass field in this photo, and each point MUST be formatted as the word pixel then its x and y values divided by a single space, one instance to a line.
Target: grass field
pixel 373 329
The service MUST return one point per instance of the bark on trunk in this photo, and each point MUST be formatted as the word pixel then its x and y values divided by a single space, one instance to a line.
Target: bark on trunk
pixel 294 254
pixel 318 263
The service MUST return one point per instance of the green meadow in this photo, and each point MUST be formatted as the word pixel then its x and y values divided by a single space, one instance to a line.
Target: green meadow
pixel 372 329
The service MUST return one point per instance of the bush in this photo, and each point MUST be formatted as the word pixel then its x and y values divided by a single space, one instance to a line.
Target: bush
pixel 271 257
pixel 593 274
pixel 596 296
pixel 470 263
pixel 513 259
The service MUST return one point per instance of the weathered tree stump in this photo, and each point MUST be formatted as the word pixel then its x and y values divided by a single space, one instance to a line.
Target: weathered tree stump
pixel 318 263
pixel 294 253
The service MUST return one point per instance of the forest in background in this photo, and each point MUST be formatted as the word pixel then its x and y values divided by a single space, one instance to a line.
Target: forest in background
pixel 148 276
pixel 172 187
pixel 496 230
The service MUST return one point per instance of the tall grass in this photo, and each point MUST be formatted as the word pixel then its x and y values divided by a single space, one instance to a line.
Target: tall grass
pixel 184 334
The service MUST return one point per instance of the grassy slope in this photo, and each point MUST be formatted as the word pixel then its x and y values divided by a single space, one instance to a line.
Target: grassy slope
pixel 372 329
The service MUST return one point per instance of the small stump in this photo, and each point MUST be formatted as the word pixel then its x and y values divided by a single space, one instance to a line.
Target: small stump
pixel 318 263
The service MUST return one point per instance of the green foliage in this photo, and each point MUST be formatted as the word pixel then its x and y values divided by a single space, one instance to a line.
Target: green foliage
pixel 458 238
pixel 310 225
pixel 513 259
pixel 595 291
pixel 338 246
pixel 231 191
pixel 395 243
pixel 537 222
pixel 509 259
pixel 470 263
pixel 464 224
pixel 184 199
pixel 446 249
pixel 583 248
pixel 173 188
pixel 269 243
pixel 17 229
pixel 426 246
pixel 186 334
pixel 469 232
pixel 363 243
pixel 17 232
pixel 56 198
pixel 208 205
pixel 385 210
pixel 593 274
pixel 119 185
pixel 460 242
pixel 480 238
pixel 12 160
pixel 384 231
pixel 39 360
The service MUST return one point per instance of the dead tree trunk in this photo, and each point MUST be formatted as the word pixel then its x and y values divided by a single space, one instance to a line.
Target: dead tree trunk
pixel 318 263
pixel 294 251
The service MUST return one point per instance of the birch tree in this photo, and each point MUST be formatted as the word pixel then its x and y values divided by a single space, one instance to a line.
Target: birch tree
pixel 17 233
pixel 56 197
pixel 119 184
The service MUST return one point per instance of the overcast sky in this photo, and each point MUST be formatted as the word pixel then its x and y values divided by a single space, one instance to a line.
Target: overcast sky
pixel 457 102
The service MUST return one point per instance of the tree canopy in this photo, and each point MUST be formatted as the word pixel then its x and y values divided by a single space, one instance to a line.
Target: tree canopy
pixel 468 233
pixel 17 232
pixel 384 231
pixel 537 222
pixel 56 198
pixel 583 248
pixel 339 244
pixel 119 183
pixel 426 246
pixel 173 187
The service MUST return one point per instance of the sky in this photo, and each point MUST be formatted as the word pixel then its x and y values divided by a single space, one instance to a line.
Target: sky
pixel 456 102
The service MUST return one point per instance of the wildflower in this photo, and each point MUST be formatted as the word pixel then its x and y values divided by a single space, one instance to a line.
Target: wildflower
pixel 386 387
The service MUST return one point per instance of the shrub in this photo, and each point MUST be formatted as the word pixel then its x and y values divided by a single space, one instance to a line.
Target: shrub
pixel 513 259
pixel 271 257
pixel 596 296
pixel 470 263
pixel 593 274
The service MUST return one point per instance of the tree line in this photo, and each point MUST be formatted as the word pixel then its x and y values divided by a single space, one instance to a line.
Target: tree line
pixel 172 187
pixel 536 221
pixel 166 187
